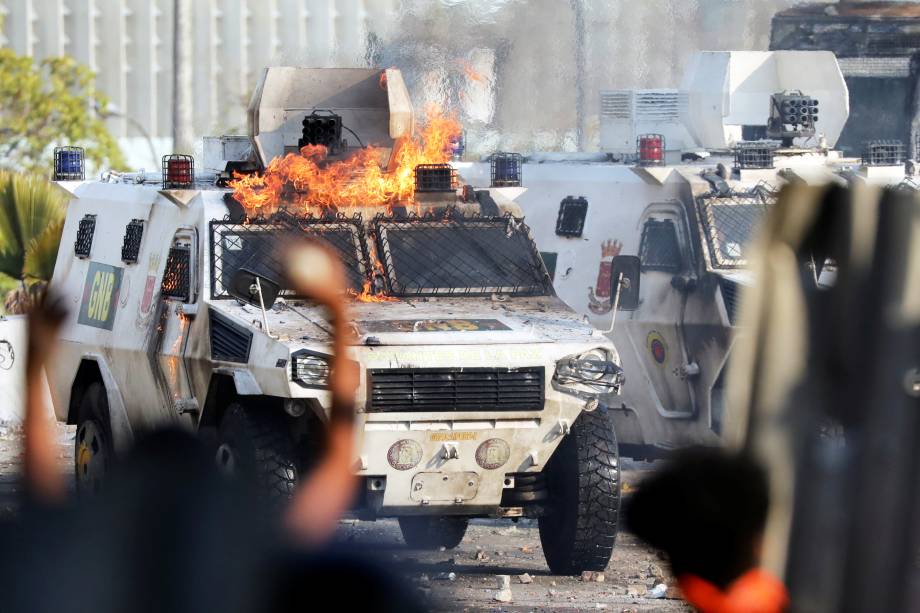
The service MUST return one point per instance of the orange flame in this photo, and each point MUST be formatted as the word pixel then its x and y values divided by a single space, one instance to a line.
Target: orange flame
pixel 311 183
pixel 367 294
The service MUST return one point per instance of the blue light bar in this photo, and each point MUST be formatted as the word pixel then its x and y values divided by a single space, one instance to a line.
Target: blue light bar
pixel 68 164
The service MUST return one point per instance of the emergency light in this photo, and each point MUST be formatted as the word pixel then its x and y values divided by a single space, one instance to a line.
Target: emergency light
pixel 506 169
pixel 650 149
pixel 178 171
pixel 68 164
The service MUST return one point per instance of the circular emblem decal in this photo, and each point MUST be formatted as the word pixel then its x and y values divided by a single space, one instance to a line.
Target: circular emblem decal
pixel 404 454
pixel 657 347
pixel 7 355
pixel 493 453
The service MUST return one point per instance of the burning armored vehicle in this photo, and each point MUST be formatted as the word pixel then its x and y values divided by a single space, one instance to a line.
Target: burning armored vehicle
pixel 479 386
pixel 683 178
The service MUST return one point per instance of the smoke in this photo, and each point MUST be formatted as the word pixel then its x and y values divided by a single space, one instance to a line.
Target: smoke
pixel 526 74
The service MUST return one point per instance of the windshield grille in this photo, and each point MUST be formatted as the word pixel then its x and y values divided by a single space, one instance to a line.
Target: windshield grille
pixel 456 255
pixel 455 389
pixel 257 246
pixel 729 222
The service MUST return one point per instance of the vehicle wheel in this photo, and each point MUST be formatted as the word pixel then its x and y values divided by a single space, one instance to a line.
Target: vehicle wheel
pixel 255 444
pixel 93 450
pixel 579 528
pixel 433 532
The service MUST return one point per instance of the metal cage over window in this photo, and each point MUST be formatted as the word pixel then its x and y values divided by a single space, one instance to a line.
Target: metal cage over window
pixel 572 214
pixel 729 221
pixel 177 276
pixel 131 245
pixel 83 246
pixel 659 248
pixel 451 254
pixel 254 246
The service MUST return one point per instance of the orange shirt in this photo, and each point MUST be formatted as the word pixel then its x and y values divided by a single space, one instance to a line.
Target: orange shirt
pixel 754 592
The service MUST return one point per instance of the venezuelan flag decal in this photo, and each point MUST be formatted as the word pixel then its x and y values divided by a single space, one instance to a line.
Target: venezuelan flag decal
pixel 657 346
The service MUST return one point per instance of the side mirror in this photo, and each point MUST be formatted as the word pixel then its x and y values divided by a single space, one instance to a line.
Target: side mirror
pixel 624 278
pixel 245 285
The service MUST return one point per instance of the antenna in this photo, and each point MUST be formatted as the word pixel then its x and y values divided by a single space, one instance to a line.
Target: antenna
pixel 262 307
pixel 622 282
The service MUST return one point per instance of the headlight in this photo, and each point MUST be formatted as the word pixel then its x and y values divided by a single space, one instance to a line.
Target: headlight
pixel 310 369
pixel 588 374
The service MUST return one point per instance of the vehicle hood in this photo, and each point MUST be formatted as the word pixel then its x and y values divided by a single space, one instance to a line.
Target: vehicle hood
pixel 433 321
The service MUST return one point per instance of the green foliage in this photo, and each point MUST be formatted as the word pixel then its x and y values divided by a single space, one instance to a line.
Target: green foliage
pixel 31 219
pixel 54 102
pixel 7 283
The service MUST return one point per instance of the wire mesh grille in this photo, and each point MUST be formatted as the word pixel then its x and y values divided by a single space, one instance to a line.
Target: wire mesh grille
pixel 457 255
pixel 729 221
pixel 435 178
pixel 659 249
pixel 68 164
pixel 258 246
pixel 178 171
pixel 131 246
pixel 754 154
pixel 883 153
pixel 571 219
pixel 506 169
pixel 84 243
pixel 177 277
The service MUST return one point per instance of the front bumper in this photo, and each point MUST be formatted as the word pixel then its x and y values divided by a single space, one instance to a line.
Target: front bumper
pixel 447 478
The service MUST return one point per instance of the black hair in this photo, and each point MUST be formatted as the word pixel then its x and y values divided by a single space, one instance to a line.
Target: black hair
pixel 706 509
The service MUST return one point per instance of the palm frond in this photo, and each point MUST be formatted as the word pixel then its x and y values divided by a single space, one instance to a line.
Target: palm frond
pixel 42 251
pixel 29 207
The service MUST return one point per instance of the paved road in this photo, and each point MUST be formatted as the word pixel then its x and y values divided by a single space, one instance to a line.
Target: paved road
pixel 464 579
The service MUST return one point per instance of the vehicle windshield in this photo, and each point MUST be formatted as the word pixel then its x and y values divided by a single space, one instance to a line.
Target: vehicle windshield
pixel 730 221
pixel 256 247
pixel 460 256
pixel 417 256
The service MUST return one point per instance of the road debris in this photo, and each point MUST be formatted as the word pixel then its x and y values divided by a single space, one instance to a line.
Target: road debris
pixel 504 589
pixel 592 576
pixel 525 578
pixel 658 591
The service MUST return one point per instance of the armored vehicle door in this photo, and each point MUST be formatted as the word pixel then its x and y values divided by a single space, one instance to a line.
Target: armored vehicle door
pixel 655 331
pixel 178 297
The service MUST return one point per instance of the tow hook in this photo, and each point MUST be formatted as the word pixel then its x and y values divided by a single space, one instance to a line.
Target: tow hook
pixel 450 451
pixel 563 427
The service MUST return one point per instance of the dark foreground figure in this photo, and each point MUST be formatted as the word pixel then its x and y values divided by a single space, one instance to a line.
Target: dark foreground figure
pixel 169 533
pixel 707 510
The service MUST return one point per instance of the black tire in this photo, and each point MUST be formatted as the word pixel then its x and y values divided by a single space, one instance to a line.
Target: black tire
pixel 425 532
pixel 93 449
pixel 579 528
pixel 255 444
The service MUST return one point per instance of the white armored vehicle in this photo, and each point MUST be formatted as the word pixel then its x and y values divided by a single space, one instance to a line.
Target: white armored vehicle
pixel 683 178
pixel 479 387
